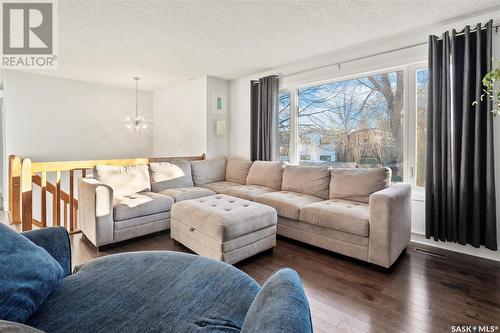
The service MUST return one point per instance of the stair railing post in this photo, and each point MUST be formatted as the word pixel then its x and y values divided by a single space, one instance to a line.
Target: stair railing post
pixel 27 194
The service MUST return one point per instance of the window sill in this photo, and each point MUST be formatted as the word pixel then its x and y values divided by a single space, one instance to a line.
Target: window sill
pixel 418 194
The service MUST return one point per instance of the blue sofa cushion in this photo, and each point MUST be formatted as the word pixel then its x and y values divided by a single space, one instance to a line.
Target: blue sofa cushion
pixel 154 291
pixel 55 240
pixel 280 307
pixel 28 274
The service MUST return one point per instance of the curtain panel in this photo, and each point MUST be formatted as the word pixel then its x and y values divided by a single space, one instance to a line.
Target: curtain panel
pixel 460 183
pixel 264 136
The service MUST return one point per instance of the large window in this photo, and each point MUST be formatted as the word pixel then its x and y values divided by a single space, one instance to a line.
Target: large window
pixel 358 122
pixel 422 80
pixel 365 121
pixel 284 125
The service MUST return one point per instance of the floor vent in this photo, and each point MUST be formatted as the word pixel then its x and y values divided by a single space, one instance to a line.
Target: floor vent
pixel 429 253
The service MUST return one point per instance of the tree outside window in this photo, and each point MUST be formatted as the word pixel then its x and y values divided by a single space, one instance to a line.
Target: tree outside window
pixel 356 122
pixel 422 78
pixel 284 125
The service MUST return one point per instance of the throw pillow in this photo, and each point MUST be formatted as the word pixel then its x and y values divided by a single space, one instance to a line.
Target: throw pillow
pixel 172 174
pixel 28 274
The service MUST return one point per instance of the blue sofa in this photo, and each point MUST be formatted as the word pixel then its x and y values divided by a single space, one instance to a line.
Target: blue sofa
pixel 163 291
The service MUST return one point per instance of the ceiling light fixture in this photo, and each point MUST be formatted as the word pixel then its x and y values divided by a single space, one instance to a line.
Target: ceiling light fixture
pixel 137 123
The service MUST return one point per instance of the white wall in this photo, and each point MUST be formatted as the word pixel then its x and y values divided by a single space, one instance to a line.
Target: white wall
pixel 53 119
pixel 240 102
pixel 180 119
pixel 184 122
pixel 217 145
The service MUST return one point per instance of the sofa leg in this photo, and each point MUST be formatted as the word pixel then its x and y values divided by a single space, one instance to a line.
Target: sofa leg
pixel 381 269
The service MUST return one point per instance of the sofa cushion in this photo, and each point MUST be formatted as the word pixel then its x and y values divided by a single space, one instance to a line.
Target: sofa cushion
pixel 170 175
pixel 358 184
pixel 223 217
pixel 149 291
pixel 209 171
pixel 140 204
pixel 123 226
pixel 237 170
pixel 12 327
pixel 124 179
pixel 265 173
pixel 219 187
pixel 286 203
pixel 281 306
pixel 248 192
pixel 307 179
pixel 187 193
pixel 342 215
pixel 28 274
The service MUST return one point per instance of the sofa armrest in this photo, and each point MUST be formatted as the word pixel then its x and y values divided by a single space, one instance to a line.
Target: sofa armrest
pixel 281 306
pixel 55 241
pixel 390 223
pixel 95 211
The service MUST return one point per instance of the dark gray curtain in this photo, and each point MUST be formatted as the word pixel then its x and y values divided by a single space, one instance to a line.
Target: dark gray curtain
pixel 460 184
pixel 264 119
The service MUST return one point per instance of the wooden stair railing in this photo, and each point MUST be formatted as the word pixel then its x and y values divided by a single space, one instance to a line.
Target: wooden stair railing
pixel 65 197
pixel 23 174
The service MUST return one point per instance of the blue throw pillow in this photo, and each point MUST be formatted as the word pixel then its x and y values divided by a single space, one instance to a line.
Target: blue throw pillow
pixel 28 274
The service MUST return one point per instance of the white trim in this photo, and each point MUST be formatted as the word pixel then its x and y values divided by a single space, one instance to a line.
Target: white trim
pixel 481 252
pixel 411 130
pixel 312 83
pixel 413 145
pixel 294 127
pixel 408 152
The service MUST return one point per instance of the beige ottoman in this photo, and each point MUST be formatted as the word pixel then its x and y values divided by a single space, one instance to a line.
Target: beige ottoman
pixel 224 227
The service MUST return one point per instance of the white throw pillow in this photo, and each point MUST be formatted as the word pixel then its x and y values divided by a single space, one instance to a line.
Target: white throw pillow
pixel 165 175
pixel 124 180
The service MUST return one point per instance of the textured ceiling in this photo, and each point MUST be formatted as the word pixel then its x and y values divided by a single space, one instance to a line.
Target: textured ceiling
pixel 167 41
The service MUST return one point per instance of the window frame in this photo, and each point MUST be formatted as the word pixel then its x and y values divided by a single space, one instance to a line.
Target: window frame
pixel 409 125
pixel 411 147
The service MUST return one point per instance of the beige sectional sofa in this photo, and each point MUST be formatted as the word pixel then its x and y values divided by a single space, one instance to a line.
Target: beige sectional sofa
pixel 355 212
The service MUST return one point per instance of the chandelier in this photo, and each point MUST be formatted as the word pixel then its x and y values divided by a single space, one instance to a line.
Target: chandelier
pixel 137 123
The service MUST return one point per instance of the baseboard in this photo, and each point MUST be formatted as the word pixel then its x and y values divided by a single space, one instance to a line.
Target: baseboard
pixel 481 252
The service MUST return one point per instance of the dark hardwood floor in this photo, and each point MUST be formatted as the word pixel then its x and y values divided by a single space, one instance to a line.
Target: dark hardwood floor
pixel 421 293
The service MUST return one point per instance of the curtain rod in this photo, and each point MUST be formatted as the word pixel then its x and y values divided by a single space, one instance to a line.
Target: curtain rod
pixel 338 64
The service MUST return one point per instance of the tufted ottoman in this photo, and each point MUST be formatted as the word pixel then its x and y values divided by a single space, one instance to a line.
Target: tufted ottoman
pixel 224 227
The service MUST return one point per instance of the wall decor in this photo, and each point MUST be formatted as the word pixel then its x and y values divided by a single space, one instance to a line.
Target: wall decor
pixel 219 103
pixel 220 127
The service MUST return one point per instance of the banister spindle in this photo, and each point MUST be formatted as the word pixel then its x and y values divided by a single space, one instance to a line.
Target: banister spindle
pixel 58 198
pixel 15 188
pixel 65 215
pixel 43 185
pixel 27 195
pixel 71 199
